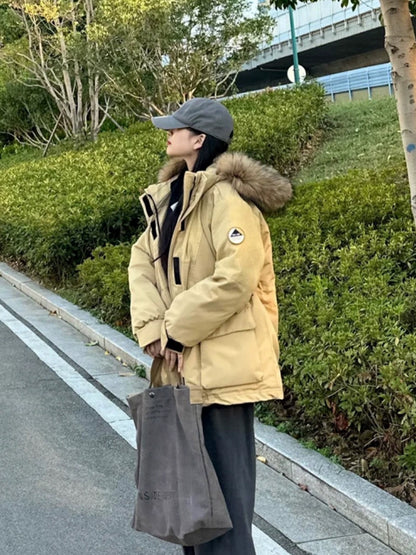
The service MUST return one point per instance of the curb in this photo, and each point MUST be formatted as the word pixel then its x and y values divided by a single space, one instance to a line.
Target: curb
pixel 377 512
pixel 106 337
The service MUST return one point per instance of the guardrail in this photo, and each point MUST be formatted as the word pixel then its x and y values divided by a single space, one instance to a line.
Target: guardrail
pixel 366 78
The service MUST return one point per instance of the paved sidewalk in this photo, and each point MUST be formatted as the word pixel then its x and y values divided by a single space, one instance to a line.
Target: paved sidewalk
pixel 288 518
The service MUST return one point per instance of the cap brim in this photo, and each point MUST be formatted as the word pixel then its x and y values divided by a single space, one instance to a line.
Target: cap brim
pixel 167 123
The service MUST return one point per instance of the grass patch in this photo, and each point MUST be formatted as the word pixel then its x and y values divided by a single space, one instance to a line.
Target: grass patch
pixel 361 135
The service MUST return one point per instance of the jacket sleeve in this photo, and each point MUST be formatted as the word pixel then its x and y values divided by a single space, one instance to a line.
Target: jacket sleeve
pixel 146 305
pixel 195 313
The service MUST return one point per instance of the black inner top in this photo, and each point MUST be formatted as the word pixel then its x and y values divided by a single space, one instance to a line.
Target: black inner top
pixel 171 219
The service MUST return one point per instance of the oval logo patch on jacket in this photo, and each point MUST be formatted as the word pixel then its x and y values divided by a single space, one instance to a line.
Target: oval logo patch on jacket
pixel 236 235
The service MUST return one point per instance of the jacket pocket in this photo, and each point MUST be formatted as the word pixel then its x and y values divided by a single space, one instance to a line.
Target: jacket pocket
pixel 241 321
pixel 229 356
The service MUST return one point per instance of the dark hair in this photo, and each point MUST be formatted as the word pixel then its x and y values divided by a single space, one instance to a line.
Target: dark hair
pixel 210 149
pixel 171 218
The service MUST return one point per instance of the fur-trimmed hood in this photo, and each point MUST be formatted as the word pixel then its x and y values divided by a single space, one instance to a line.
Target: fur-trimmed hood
pixel 255 182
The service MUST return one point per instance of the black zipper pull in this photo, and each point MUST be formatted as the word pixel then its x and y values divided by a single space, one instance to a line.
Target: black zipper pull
pixel 176 270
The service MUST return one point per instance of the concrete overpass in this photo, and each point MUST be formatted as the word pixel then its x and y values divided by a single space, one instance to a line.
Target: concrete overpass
pixel 330 39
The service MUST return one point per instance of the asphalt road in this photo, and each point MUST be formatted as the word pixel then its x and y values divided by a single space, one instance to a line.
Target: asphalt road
pixel 66 478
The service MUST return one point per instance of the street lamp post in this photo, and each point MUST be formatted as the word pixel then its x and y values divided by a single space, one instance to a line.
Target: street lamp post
pixel 294 47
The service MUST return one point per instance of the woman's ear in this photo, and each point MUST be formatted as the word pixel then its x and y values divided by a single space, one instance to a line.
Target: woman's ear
pixel 199 141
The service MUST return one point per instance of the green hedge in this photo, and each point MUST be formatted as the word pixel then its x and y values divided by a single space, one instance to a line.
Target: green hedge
pixel 345 261
pixel 103 284
pixel 275 126
pixel 55 211
pixel 345 258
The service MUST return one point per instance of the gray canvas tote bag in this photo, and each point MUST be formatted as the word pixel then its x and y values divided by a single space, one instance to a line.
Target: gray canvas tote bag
pixel 179 499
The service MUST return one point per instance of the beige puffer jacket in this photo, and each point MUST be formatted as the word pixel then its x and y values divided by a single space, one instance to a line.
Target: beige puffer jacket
pixel 219 300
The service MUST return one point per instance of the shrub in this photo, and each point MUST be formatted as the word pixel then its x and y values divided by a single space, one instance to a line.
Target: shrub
pixel 103 283
pixel 345 260
pixel 408 459
pixel 55 211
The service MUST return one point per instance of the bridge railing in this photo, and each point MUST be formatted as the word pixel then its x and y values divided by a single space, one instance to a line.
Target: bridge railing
pixel 309 12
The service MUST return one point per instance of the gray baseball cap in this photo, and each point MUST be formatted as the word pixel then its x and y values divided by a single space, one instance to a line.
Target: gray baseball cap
pixel 204 114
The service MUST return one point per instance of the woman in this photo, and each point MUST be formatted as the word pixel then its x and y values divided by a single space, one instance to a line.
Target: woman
pixel 203 299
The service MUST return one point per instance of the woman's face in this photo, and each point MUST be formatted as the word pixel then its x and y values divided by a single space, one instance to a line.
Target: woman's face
pixel 183 143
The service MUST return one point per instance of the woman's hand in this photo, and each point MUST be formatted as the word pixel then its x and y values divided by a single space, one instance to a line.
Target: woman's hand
pixel 153 349
pixel 174 360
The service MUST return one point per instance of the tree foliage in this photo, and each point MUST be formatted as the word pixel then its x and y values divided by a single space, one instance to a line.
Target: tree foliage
pixel 177 50
pixel 56 55
pixel 120 59
pixel 11 28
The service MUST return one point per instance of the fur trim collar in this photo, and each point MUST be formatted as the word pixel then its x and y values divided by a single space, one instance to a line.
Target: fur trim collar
pixel 254 182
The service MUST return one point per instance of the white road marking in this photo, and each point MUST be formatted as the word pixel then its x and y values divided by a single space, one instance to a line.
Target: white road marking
pixel 108 411
pixel 265 545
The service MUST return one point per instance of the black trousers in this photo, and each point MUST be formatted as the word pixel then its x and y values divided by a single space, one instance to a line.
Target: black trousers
pixel 229 439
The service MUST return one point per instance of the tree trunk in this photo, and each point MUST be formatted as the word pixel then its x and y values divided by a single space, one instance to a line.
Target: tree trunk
pixel 69 88
pixel 400 43
pixel 93 77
